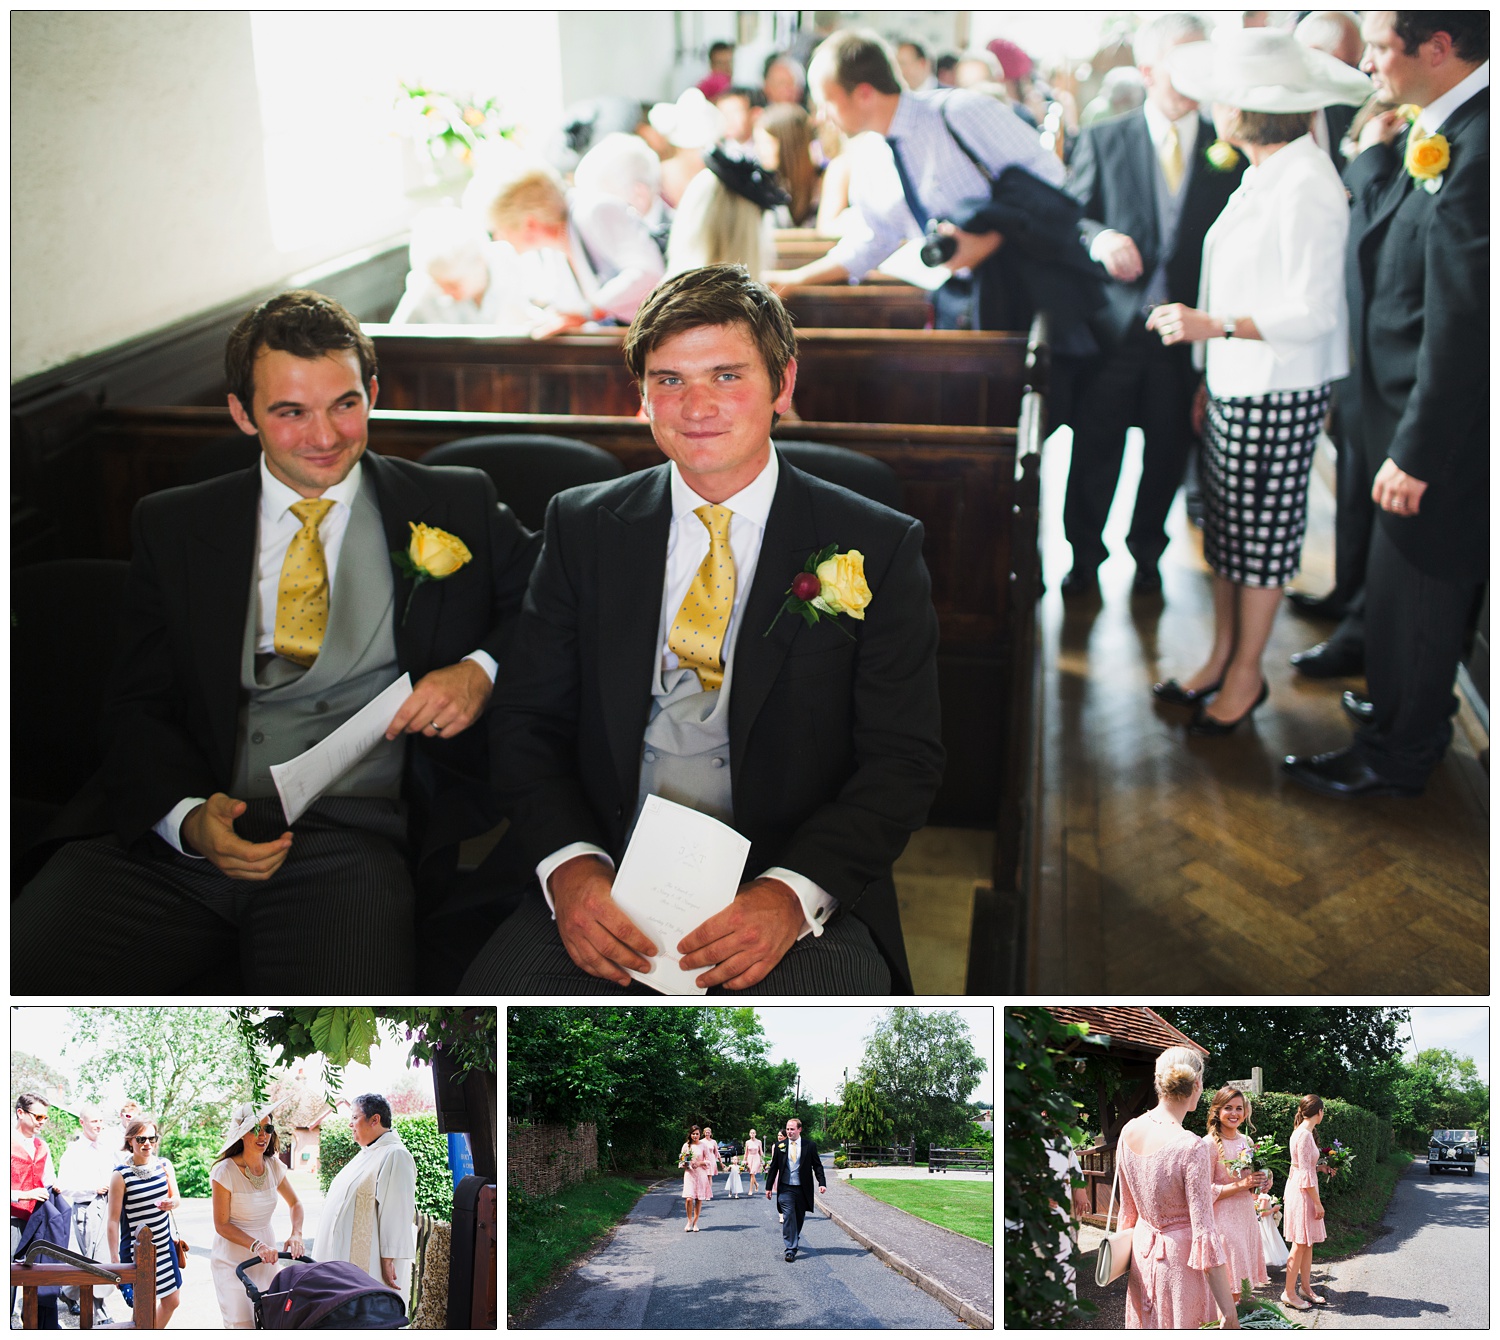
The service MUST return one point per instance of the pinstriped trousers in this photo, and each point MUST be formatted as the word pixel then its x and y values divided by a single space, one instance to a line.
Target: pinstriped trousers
pixel 338 916
pixel 525 957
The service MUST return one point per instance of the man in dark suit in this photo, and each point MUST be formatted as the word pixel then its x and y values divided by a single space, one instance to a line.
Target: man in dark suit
pixel 1419 316
pixel 1149 194
pixel 262 611
pixel 818 740
pixel 790 1176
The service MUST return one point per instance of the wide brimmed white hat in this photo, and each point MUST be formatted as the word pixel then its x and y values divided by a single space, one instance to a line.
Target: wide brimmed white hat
pixel 1263 70
pixel 692 122
pixel 244 1119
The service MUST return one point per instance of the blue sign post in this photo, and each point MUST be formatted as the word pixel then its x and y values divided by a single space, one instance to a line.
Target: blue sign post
pixel 460 1156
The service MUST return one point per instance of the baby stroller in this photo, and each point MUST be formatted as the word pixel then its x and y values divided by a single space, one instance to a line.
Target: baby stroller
pixel 322 1296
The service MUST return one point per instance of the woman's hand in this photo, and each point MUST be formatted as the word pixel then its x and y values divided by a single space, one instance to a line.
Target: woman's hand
pixel 1178 323
pixel 265 1250
pixel 1318 1210
pixel 166 1203
pixel 295 1245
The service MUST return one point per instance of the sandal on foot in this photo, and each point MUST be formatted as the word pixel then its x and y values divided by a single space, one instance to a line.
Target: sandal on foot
pixel 1297 1307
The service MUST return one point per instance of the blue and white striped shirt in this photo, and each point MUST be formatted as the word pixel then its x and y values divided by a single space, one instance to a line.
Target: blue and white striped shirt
pixel 947 183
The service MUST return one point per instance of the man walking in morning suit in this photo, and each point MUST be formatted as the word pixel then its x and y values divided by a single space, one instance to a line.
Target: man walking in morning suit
pixel 790 1178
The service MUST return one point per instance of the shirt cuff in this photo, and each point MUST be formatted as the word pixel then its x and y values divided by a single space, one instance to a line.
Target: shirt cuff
pixel 562 856
pixel 1099 237
pixel 169 828
pixel 818 906
pixel 485 662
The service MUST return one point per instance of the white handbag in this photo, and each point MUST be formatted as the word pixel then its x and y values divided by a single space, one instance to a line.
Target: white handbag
pixel 1113 1256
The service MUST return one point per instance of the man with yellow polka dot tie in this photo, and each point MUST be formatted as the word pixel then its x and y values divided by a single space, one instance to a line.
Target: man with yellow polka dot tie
pixel 697 635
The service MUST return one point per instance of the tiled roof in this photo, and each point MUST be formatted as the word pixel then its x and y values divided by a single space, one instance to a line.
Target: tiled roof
pixel 1136 1025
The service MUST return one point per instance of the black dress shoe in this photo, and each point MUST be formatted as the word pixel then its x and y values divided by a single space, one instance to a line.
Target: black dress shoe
pixel 1343 773
pixel 1080 582
pixel 1361 709
pixel 1173 692
pixel 791 1256
pixel 1329 660
pixel 1315 607
pixel 1204 725
pixel 1147 582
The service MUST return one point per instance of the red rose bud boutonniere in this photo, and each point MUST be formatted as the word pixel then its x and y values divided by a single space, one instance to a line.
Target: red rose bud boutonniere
pixel 833 584
pixel 432 555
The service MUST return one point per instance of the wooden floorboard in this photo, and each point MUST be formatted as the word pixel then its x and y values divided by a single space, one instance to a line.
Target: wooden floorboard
pixel 1172 865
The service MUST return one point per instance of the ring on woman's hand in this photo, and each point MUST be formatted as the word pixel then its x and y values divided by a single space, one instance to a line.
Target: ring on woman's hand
pixel 435 726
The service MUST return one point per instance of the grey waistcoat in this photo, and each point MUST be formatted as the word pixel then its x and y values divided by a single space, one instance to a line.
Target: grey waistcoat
pixel 1168 217
pixel 288 709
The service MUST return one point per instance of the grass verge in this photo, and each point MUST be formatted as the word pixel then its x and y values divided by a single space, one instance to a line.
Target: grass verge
pixel 1352 1221
pixel 549 1233
pixel 965 1207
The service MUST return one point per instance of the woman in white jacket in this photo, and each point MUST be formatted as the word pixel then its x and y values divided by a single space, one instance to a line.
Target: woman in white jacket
pixel 1274 333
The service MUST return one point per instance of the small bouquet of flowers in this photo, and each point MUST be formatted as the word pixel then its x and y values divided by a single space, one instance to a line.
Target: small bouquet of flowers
pixel 1336 1156
pixel 1272 1155
pixel 1241 1163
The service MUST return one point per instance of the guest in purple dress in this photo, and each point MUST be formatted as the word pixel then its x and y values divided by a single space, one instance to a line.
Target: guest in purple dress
pixel 1303 1224
pixel 1179 1275
pixel 1234 1193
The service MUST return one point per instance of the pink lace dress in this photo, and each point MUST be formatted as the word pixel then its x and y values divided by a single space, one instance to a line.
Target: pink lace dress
pixel 1168 1196
pixel 1298 1223
pixel 754 1156
pixel 705 1160
pixel 1236 1217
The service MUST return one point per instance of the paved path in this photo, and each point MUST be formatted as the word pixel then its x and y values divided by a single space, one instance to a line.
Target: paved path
pixel 731 1275
pixel 1431 1267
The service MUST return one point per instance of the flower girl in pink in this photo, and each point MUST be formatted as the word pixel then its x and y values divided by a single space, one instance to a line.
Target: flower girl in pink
pixel 1304 1206
pixel 1234 1192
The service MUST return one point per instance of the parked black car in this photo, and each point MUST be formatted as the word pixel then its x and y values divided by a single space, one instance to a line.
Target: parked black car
pixel 728 1149
pixel 1452 1151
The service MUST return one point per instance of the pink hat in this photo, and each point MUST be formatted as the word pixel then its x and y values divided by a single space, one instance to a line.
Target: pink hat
pixel 713 84
pixel 1014 63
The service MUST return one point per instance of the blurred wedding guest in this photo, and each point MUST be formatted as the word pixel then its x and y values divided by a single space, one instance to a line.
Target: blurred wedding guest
pixel 945 70
pixel 625 167
pixel 1016 74
pixel 459 277
pixel 143 1190
pixel 726 217
pixel 32 1182
pixel 785 80
pixel 1274 328
pixel 1336 34
pixel 87 1166
pixel 916 69
pixel 687 128
pixel 784 146
pixel 595 259
pixel 741 109
pixel 1121 90
pixel 720 69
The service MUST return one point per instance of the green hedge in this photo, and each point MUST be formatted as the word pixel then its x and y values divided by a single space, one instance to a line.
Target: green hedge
pixel 193 1158
pixel 427 1145
pixel 1275 1114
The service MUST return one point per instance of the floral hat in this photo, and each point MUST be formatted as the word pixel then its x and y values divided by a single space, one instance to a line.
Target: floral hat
pixel 245 1118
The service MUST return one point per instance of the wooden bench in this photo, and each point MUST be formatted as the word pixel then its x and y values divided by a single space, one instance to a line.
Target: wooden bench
pixel 939 377
pixel 139 1274
pixel 860 307
pixel 941 1160
pixel 874 1156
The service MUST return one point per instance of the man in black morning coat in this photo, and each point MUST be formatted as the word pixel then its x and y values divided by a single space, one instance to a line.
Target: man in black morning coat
pixel 200 874
pixel 1419 279
pixel 1150 241
pixel 823 747
pixel 793 1168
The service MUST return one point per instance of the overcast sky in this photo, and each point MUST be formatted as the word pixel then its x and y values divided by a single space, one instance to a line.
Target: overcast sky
pixel 825 1040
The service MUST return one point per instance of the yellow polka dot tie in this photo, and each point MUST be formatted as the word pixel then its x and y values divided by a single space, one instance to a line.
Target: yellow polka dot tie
pixel 1170 155
pixel 698 631
pixel 302 595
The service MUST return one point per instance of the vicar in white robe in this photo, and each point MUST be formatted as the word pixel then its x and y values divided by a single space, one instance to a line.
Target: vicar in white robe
pixel 370 1213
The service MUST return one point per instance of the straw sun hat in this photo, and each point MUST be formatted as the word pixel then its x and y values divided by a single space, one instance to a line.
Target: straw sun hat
pixel 1263 70
pixel 244 1119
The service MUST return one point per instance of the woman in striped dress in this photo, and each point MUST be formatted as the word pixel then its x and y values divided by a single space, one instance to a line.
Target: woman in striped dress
pixel 143 1192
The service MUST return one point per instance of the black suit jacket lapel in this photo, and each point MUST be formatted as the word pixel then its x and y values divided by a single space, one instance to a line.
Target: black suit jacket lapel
pixel 402 501
pixel 1140 163
pixel 220 557
pixel 632 561
pixel 790 537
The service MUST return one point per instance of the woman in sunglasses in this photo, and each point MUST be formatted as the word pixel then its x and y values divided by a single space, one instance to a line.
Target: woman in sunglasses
pixel 247 1178
pixel 143 1192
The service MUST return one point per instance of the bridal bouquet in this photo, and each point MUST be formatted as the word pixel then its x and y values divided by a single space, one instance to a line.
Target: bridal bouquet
pixel 1336 1156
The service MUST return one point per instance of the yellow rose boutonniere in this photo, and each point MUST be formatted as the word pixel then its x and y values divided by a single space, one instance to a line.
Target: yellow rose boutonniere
pixel 432 555
pixel 832 583
pixel 1427 159
pixel 1222 156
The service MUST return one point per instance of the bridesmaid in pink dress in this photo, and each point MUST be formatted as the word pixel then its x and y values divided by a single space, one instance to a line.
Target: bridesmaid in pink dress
pixel 1234 1195
pixel 1179 1277
pixel 690 1179
pixel 710 1165
pixel 1303 1206
pixel 754 1157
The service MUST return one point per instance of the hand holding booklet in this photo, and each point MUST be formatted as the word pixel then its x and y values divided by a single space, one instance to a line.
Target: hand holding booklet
pixel 681 867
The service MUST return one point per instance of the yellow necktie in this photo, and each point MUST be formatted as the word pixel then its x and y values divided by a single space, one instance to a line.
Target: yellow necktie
pixel 1171 160
pixel 698 631
pixel 302 595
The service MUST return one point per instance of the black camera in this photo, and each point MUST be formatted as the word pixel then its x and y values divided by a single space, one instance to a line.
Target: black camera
pixel 937 248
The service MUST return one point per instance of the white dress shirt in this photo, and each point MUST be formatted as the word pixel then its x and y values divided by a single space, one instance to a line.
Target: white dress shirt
pixel 87 1165
pixel 687 547
pixel 1440 109
pixel 947 183
pixel 1276 255
pixel 276 525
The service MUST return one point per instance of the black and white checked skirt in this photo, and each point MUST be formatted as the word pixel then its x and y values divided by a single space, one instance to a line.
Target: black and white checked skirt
pixel 1257 452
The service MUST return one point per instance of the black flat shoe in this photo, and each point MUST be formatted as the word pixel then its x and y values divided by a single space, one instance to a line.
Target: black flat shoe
pixel 1316 607
pixel 1080 584
pixel 1146 582
pixel 1329 660
pixel 1173 692
pixel 1361 710
pixel 1344 774
pixel 1204 725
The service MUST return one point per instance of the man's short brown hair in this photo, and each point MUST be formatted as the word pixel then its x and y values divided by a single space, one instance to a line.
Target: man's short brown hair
pixel 853 57
pixel 714 295
pixel 299 322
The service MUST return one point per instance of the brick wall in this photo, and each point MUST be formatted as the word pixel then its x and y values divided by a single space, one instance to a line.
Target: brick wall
pixel 544 1159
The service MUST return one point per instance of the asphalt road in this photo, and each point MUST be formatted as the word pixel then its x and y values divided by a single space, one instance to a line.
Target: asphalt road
pixel 731 1276
pixel 1431 1267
